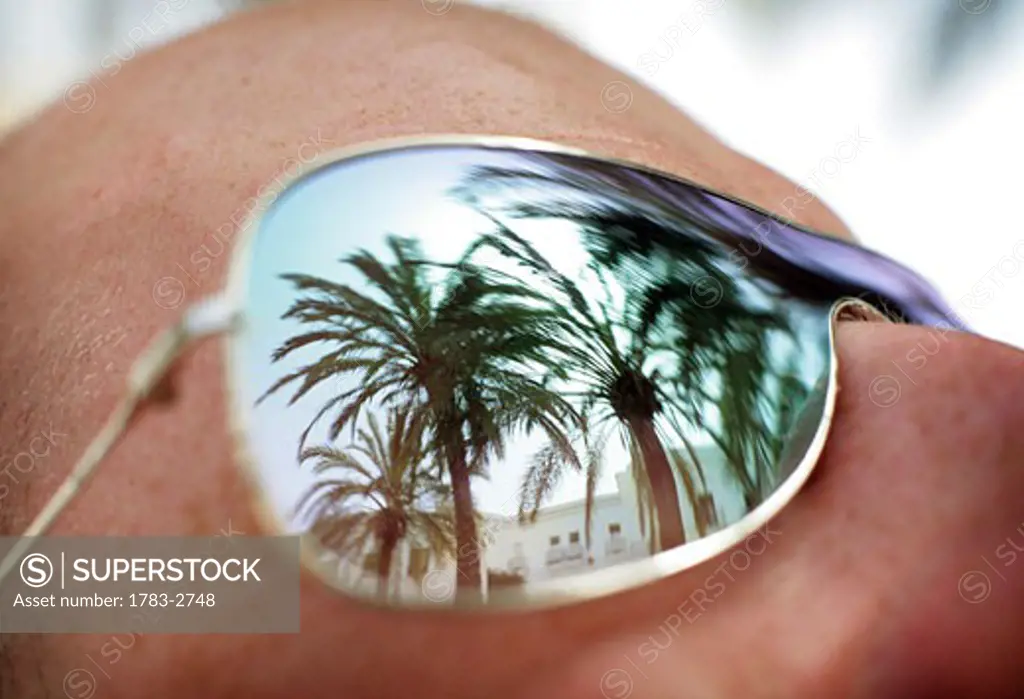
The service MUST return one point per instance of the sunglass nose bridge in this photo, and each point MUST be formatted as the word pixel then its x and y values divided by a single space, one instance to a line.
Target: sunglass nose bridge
pixel 858 310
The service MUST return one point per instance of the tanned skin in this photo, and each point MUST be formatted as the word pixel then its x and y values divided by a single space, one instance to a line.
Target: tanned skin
pixel 857 595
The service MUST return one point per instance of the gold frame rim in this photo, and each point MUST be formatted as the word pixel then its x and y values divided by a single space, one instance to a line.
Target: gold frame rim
pixel 575 589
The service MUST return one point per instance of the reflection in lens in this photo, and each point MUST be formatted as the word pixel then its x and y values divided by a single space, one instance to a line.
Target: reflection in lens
pixel 473 374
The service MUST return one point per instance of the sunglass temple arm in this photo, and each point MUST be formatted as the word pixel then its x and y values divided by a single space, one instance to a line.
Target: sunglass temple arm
pixel 147 375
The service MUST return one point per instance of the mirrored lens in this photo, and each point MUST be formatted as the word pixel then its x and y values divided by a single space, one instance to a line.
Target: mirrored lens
pixel 488 375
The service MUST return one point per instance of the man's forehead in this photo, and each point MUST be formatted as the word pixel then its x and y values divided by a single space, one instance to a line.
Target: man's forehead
pixel 220 111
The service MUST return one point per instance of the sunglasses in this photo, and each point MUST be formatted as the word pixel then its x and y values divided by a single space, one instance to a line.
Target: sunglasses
pixel 493 371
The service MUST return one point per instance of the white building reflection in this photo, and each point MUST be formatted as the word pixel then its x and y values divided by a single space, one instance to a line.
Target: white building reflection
pixel 553 546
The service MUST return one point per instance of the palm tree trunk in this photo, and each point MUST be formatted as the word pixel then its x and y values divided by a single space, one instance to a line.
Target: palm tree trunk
pixel 697 465
pixel 699 516
pixel 385 556
pixel 467 554
pixel 691 495
pixel 663 484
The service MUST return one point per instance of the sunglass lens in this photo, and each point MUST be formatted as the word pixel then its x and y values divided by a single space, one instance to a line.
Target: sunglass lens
pixel 482 374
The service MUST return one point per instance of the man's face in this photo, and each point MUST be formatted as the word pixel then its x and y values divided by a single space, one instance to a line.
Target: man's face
pixel 857 596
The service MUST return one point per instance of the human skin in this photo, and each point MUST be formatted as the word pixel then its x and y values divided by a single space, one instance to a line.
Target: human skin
pixel 856 596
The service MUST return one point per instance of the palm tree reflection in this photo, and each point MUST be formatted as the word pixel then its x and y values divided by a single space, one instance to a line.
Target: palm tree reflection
pixel 460 350
pixel 611 357
pixel 375 494
pixel 714 318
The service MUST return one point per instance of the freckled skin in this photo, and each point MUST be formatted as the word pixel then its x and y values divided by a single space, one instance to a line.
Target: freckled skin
pixel 856 595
